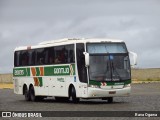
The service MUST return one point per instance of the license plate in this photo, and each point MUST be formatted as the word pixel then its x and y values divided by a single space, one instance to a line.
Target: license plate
pixel 112 92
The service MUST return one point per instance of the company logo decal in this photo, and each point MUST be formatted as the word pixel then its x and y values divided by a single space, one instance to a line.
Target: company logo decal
pixel 38 71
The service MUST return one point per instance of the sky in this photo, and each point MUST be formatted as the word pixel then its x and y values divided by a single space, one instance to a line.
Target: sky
pixel 29 22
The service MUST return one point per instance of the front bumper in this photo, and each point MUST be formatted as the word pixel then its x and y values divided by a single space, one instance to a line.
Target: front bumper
pixel 101 93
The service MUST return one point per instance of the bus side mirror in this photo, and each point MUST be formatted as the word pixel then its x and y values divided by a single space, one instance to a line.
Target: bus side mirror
pixel 133 58
pixel 86 58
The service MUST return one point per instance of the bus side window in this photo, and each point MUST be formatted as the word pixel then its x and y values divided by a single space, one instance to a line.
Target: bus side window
pixel 59 55
pixel 46 55
pixel 51 55
pixel 62 57
pixel 82 72
pixel 39 56
pixel 71 58
pixel 24 58
pixel 69 54
pixel 31 57
pixel 16 58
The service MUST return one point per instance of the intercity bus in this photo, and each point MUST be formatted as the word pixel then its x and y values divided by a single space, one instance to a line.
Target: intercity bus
pixel 70 69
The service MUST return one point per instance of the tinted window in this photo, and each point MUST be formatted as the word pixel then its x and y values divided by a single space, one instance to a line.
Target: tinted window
pixel 21 58
pixel 59 54
pixel 64 54
pixel 69 53
pixel 51 55
pixel 16 58
pixel 31 57
pixel 82 72
pixel 24 58
pixel 45 56
pixel 40 56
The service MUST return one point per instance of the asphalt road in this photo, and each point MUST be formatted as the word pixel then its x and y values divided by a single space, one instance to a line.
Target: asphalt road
pixel 143 97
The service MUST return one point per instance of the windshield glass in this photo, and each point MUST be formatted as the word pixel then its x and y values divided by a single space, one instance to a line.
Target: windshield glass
pixel 106 48
pixel 109 67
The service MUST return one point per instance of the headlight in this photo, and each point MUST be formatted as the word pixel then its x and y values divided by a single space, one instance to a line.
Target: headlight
pixel 94 86
pixel 127 85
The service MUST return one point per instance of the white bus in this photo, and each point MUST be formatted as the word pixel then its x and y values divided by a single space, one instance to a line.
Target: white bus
pixel 70 69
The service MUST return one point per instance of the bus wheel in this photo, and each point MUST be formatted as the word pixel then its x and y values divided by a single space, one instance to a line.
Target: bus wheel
pixel 26 94
pixel 32 94
pixel 73 97
pixel 110 100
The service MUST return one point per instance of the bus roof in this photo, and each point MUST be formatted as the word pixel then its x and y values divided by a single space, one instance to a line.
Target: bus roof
pixel 67 41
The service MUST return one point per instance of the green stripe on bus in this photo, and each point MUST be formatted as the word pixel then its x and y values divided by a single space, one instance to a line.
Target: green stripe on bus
pixel 28 72
pixel 60 70
pixel 40 81
pixel 37 71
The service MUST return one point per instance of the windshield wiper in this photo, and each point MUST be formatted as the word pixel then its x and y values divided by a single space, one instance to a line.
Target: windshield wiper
pixel 108 73
pixel 115 71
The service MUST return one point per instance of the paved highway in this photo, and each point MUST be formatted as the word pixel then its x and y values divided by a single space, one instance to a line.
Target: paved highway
pixel 143 97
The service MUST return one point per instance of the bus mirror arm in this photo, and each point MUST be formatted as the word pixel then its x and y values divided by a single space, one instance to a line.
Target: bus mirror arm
pixel 134 57
pixel 86 58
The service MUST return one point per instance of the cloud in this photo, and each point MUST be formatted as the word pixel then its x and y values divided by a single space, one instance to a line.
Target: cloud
pixel 28 23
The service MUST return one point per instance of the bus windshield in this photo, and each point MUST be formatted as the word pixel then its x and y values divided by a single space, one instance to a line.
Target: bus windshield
pixel 106 48
pixel 108 62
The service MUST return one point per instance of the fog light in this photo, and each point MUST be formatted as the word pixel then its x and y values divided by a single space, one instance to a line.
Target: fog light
pixel 94 86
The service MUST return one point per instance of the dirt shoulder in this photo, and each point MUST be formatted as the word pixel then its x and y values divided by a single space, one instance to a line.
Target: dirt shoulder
pixel 3 86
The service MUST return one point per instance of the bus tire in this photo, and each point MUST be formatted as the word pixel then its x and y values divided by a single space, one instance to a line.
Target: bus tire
pixel 26 94
pixel 73 97
pixel 32 94
pixel 110 100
